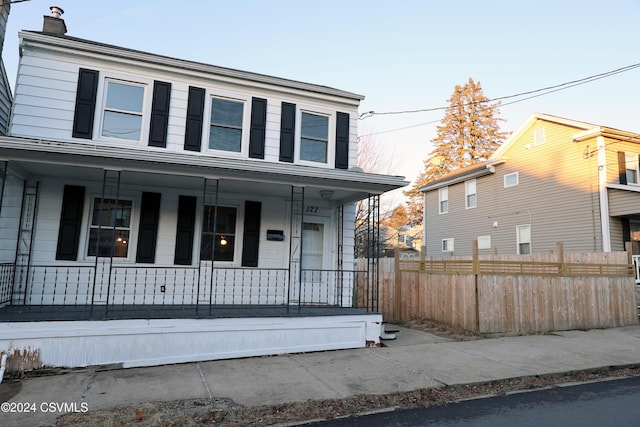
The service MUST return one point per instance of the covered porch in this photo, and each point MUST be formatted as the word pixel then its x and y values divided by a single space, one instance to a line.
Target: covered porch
pixel 177 304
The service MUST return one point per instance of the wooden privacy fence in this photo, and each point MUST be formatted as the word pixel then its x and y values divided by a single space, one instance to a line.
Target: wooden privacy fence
pixel 512 293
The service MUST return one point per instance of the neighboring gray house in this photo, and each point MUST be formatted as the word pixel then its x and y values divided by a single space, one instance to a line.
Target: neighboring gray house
pixel 5 88
pixel 164 210
pixel 554 180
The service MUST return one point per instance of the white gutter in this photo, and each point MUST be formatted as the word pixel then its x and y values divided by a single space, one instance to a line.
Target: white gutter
pixel 604 198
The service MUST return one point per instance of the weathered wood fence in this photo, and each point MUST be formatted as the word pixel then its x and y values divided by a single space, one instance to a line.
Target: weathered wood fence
pixel 512 293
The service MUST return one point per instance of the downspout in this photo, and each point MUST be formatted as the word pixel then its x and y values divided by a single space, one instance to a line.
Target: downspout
pixel 604 198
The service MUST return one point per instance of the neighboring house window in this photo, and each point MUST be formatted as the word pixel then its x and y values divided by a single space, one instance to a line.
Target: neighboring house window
pixel 400 238
pixel 226 125
pixel 631 165
pixel 443 194
pixel 314 138
pixel 218 233
pixel 110 228
pixel 471 196
pixel 538 137
pixel 484 242
pixel 523 235
pixel 447 245
pixel 123 110
pixel 511 179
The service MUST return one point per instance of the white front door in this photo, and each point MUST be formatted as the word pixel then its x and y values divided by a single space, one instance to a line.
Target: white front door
pixel 315 278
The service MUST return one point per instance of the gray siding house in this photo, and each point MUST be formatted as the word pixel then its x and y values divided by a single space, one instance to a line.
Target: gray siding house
pixel 554 180
pixel 157 210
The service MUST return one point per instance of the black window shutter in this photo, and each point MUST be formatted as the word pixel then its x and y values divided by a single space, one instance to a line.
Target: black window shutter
pixel 626 230
pixel 70 223
pixel 287 132
pixel 148 230
pixel 195 114
pixel 159 114
pixel 85 104
pixel 622 168
pixel 342 141
pixel 258 128
pixel 251 237
pixel 185 230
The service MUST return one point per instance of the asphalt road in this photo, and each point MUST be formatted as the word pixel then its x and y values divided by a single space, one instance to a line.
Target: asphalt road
pixel 608 403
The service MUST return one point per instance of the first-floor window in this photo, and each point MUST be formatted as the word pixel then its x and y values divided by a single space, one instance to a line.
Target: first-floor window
pixel 523 235
pixel 314 138
pixel 110 228
pixel 218 233
pixel 484 242
pixel 447 245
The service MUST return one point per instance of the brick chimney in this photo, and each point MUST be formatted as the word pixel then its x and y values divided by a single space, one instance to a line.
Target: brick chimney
pixel 54 24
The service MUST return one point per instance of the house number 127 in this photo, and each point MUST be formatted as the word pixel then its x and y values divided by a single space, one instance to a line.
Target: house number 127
pixel 312 209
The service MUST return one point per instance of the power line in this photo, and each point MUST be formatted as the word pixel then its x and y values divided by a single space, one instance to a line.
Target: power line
pixel 550 89
pixel 534 94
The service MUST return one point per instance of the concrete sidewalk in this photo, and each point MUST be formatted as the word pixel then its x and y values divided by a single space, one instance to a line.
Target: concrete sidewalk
pixel 414 360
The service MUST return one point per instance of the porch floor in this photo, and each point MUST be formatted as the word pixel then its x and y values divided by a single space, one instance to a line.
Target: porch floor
pixel 31 313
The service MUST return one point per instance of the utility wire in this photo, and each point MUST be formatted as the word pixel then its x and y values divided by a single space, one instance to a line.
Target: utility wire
pixel 548 89
pixel 534 94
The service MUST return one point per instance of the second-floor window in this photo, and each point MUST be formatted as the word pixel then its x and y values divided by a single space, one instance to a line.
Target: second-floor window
pixel 226 125
pixel 123 110
pixel 314 137
pixel 631 165
pixel 443 195
pixel 471 195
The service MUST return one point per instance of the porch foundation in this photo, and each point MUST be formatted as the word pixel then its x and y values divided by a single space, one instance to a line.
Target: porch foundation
pixel 148 342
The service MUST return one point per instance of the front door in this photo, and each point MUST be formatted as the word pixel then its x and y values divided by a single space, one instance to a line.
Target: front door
pixel 314 286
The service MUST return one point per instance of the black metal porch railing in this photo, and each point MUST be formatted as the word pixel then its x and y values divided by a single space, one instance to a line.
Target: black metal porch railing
pixel 57 287
pixel 7 271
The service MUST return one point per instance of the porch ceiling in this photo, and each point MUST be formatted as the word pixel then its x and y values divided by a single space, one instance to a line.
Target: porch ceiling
pixel 156 167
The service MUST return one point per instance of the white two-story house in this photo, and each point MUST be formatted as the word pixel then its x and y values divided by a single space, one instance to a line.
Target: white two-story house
pixel 206 210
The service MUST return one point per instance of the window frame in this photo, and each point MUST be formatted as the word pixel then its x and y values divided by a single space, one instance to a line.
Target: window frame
pixel 505 177
pixel 468 194
pixel 539 137
pixel 486 239
pixel 632 158
pixel 237 235
pixel 444 245
pixel 442 200
pixel 518 242
pixel 246 123
pixel 144 114
pixel 331 135
pixel 133 226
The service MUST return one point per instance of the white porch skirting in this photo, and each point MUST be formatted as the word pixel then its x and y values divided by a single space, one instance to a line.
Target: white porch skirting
pixel 141 342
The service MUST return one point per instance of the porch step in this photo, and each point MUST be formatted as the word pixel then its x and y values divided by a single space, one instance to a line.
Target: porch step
pixel 387 334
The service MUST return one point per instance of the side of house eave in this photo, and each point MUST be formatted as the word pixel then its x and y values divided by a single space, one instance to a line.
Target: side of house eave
pixel 157 161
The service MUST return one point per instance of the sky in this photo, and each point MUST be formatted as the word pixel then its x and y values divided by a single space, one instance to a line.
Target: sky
pixel 401 55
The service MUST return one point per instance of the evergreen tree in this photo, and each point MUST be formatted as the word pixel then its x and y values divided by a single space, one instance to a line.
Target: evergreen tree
pixel 468 134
